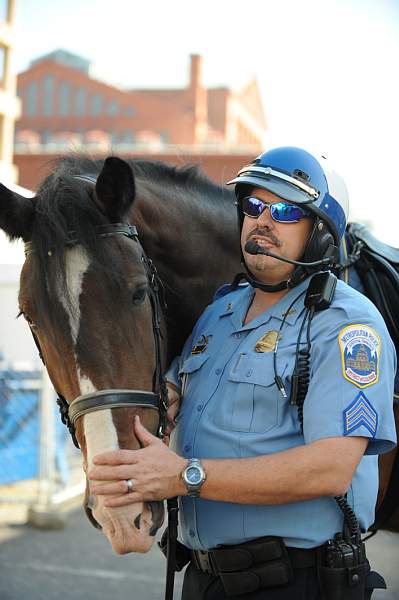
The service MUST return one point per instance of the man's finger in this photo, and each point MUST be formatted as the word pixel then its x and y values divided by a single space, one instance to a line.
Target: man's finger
pixel 143 435
pixel 110 489
pixel 123 500
pixel 115 457
pixel 111 473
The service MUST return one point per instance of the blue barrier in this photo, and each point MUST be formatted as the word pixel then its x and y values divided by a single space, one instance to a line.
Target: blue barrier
pixel 20 427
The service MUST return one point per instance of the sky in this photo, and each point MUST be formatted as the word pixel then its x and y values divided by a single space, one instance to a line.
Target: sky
pixel 327 71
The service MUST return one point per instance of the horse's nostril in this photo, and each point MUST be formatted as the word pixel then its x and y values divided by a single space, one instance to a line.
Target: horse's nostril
pixel 153 530
pixel 137 521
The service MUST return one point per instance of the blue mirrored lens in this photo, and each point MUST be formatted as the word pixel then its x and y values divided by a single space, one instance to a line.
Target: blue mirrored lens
pixel 286 213
pixel 282 212
pixel 253 207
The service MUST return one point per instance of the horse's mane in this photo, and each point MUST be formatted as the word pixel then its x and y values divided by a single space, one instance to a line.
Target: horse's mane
pixel 64 205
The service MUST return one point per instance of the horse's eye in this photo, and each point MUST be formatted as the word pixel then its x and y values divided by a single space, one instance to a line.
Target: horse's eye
pixel 29 320
pixel 138 296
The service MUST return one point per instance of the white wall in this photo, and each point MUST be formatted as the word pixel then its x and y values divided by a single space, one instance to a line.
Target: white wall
pixel 16 343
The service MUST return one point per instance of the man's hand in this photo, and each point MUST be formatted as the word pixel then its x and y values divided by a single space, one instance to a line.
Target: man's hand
pixel 155 471
pixel 174 399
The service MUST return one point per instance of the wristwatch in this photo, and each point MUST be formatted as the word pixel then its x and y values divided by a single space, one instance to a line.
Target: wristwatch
pixel 194 476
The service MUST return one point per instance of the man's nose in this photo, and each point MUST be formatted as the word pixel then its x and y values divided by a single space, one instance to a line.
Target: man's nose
pixel 265 219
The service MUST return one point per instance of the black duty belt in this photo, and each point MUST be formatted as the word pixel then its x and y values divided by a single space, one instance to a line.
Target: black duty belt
pixel 206 561
pixel 258 564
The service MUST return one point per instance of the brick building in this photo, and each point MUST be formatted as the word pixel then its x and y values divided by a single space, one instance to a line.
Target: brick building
pixel 219 167
pixel 62 106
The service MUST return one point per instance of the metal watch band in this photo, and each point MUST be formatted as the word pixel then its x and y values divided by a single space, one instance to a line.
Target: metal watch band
pixel 193 490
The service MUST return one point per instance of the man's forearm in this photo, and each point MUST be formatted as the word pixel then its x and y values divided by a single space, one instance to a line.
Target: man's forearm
pixel 323 468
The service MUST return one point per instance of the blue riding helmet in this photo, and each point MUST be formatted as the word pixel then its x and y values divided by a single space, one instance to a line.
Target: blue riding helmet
pixel 296 175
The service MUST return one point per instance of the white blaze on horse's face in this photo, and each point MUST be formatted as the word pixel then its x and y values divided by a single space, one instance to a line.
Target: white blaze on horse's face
pixel 118 524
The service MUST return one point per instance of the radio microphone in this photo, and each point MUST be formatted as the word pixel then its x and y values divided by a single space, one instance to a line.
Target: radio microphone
pixel 252 247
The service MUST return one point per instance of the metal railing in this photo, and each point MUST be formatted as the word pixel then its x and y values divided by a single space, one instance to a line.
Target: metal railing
pixel 40 469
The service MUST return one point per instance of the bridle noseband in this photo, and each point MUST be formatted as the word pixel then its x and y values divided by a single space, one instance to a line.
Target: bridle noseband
pixel 118 398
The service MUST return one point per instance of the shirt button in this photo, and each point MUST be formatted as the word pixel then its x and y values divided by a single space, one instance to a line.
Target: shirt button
pixel 237 335
pixel 218 371
pixel 192 533
pixel 249 373
pixel 199 407
pixel 187 448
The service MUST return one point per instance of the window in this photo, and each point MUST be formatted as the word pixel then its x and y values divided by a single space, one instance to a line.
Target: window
pixel 31 98
pixel 4 15
pixel 112 108
pixel 48 95
pixel 164 135
pixel 114 137
pixel 65 89
pixel 46 136
pixel 127 137
pixel 3 59
pixel 80 102
pixel 96 105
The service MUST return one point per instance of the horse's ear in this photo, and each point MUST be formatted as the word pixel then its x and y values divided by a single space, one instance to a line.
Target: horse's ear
pixel 115 188
pixel 16 214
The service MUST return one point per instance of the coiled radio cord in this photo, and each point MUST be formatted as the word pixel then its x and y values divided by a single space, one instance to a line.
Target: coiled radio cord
pixel 302 380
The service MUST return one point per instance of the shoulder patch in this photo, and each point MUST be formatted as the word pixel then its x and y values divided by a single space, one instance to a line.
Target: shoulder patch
pixel 360 349
pixel 360 412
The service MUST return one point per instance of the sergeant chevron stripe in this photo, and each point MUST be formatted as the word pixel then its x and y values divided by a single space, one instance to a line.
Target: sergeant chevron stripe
pixel 360 412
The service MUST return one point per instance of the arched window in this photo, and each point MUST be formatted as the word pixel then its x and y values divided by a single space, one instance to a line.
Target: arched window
pixel 112 108
pixel 48 95
pixel 96 105
pixel 65 89
pixel 31 99
pixel 80 101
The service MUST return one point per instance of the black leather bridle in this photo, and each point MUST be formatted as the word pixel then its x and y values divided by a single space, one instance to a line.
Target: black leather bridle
pixel 117 398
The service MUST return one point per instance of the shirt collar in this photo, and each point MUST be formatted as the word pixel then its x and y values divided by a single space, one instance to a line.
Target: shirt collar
pixel 238 307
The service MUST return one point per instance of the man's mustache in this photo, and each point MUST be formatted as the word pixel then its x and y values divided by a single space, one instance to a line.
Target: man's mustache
pixel 265 233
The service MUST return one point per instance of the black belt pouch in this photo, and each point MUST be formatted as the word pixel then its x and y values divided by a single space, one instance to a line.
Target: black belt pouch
pixel 338 583
pixel 254 565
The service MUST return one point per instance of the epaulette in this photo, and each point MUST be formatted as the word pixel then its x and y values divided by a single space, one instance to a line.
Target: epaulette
pixel 226 289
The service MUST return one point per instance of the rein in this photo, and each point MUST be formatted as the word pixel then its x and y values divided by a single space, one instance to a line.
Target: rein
pixel 118 398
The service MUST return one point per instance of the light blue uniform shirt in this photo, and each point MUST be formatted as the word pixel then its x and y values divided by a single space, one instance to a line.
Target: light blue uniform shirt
pixel 232 408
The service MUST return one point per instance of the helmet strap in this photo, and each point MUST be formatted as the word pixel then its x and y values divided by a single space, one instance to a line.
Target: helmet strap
pixel 283 285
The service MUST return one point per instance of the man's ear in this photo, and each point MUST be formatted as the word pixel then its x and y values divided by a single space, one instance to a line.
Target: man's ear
pixel 115 188
pixel 16 214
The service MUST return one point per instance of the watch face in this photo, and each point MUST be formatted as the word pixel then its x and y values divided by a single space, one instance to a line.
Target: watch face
pixel 193 475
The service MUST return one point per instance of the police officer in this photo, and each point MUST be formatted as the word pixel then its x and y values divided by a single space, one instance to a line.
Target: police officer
pixel 282 400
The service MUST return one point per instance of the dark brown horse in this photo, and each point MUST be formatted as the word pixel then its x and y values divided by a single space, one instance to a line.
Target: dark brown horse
pixel 86 295
pixel 85 292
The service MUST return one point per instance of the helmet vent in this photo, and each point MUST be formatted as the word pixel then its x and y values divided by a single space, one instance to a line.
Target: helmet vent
pixel 298 174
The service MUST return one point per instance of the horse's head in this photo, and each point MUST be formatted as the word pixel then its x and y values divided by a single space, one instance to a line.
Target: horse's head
pixel 85 293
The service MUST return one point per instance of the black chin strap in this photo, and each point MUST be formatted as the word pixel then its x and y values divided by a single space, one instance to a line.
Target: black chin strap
pixel 298 275
pixel 283 285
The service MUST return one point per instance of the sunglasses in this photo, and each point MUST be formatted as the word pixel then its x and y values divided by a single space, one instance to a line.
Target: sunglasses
pixel 282 212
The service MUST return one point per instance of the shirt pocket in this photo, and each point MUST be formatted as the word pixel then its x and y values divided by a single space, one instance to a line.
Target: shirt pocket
pixel 189 372
pixel 251 402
